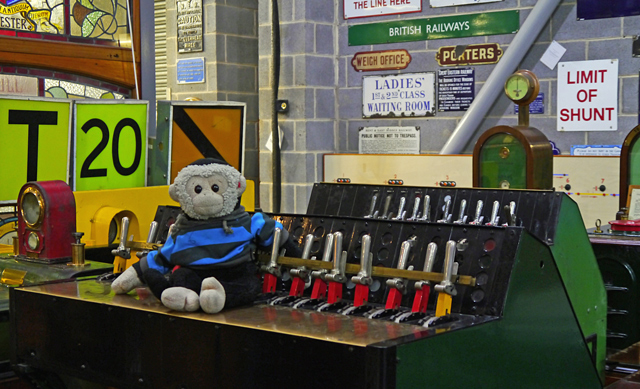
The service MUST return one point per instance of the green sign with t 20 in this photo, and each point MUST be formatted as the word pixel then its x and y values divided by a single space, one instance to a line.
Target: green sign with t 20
pixel 490 23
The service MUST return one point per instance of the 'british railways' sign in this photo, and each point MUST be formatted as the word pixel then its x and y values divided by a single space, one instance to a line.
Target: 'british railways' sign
pixel 409 94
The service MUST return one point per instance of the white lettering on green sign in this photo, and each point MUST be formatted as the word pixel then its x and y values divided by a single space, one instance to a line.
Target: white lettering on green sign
pixel 490 23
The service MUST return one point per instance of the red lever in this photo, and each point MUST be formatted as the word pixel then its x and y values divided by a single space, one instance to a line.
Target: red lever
pixel 362 295
pixel 297 287
pixel 269 283
pixel 335 292
pixel 393 299
pixel 421 299
pixel 319 289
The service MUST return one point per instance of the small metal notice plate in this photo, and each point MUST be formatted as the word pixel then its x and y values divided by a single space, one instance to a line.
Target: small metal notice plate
pixel 189 25
pixel 190 71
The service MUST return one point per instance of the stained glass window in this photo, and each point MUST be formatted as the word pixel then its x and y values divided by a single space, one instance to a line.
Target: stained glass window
pixel 101 19
pixel 45 83
pixel 92 21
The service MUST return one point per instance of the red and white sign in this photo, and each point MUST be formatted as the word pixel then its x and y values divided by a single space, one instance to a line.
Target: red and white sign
pixel 588 95
pixel 366 8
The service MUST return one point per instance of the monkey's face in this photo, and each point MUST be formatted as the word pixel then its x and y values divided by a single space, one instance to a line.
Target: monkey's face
pixel 207 191
pixel 206 194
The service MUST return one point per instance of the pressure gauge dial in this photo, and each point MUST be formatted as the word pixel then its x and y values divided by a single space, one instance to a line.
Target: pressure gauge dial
pixel 522 87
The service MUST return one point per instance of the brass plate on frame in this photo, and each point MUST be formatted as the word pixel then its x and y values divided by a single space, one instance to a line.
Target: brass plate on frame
pixel 331 327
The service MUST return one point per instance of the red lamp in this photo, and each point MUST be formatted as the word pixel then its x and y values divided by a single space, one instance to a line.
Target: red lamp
pixel 46 221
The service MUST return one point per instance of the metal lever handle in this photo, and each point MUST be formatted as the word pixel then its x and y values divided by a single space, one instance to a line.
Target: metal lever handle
pixel 494 214
pixel 426 213
pixel 477 217
pixel 512 212
pixel 272 267
pixel 302 271
pixel 405 250
pixel 339 261
pixel 153 229
pixel 463 207
pixel 306 250
pixel 400 215
pixel 446 286
pixel 122 250
pixel 387 203
pixel 366 263
pixel 374 199
pixel 326 256
pixel 429 260
pixel 446 216
pixel 416 208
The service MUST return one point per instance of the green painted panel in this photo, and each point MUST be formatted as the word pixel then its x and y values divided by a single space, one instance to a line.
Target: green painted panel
pixel 503 163
pixel 536 344
pixel 110 144
pixel 159 152
pixel 35 142
pixel 459 26
pixel 634 163
pixel 581 275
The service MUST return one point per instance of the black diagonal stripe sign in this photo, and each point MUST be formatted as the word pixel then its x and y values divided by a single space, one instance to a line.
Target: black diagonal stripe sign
pixel 191 130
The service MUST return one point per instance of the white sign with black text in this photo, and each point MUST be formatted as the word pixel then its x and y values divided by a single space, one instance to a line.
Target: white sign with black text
pixel 588 95
pixel 365 8
pixel 389 140
pixel 399 95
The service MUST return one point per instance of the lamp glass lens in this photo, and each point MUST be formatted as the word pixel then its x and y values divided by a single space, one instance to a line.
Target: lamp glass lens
pixel 31 208
pixel 33 241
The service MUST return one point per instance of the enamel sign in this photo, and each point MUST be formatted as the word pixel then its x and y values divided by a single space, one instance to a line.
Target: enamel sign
pixel 481 54
pixel 588 95
pixel 442 27
pixel 381 60
pixel 409 94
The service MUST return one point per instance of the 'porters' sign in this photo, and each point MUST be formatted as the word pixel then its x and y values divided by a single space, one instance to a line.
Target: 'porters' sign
pixel 381 60
pixel 469 55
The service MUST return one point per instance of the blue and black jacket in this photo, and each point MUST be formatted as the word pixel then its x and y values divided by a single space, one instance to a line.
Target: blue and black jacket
pixel 213 244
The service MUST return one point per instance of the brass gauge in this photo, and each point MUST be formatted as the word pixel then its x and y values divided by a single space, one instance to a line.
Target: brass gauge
pixel 522 87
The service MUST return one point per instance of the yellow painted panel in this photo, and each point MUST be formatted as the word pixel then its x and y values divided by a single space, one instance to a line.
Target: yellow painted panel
pixel 223 128
pixel 183 152
pixel 95 209
pixel 141 202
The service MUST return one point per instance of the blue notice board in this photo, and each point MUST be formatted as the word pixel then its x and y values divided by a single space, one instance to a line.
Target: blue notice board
pixel 190 71
pixel 599 9
pixel 537 107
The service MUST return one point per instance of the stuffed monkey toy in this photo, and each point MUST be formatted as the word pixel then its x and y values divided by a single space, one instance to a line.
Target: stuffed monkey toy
pixel 206 261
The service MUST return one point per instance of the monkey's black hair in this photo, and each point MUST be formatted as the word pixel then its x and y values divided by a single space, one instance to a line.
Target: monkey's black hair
pixel 209 161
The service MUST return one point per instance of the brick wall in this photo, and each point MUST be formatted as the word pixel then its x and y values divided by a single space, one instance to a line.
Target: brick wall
pixel 230 49
pixel 325 92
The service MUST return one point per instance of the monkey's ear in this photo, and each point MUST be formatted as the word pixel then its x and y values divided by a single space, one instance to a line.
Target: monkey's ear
pixel 173 193
pixel 242 186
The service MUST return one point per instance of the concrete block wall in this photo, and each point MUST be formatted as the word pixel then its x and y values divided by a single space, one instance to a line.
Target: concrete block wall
pixel 325 92
pixel 308 79
pixel 230 49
